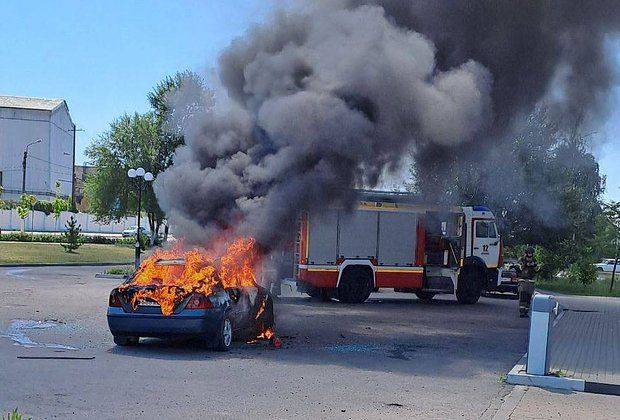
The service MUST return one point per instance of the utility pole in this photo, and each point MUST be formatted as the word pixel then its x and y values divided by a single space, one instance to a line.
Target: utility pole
pixel 24 163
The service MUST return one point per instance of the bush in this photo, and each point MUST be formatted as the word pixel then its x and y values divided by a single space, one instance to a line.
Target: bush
pixel 582 271
pixel 44 206
pixel 549 263
pixel 95 239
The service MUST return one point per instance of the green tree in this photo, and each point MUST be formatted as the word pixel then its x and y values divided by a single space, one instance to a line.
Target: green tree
pixel 132 141
pixel 611 211
pixel 1 204
pixel 141 140
pixel 543 185
pixel 24 207
pixel 59 205
pixel 72 236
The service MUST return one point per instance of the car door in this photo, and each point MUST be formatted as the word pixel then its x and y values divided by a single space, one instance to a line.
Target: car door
pixel 239 305
pixel 486 242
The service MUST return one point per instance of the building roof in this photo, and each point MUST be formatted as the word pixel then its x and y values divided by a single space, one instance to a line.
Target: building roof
pixel 29 103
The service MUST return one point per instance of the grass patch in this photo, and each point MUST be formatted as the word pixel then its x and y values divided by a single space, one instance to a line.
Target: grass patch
pixel 44 253
pixel 14 415
pixel 120 271
pixel 598 288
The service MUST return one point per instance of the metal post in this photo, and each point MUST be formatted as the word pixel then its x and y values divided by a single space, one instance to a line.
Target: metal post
pixel 613 272
pixel 73 172
pixel 24 170
pixel 541 318
pixel 137 262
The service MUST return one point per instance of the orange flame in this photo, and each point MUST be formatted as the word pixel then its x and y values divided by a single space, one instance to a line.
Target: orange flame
pixel 201 272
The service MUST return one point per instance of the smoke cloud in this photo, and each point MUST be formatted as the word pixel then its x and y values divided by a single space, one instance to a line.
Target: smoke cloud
pixel 325 97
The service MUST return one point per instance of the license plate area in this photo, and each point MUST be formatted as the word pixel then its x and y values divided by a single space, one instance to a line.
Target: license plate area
pixel 150 303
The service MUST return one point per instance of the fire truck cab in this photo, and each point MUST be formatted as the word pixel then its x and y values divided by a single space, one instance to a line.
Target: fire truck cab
pixel 390 240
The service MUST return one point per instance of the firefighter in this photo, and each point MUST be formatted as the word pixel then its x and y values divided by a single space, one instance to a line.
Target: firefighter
pixel 526 281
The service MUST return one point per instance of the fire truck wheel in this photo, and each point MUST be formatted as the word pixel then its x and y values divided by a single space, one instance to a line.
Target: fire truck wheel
pixel 355 285
pixel 126 340
pixel 469 285
pixel 224 335
pixel 425 296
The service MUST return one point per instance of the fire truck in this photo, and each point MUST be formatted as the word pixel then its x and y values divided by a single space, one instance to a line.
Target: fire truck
pixel 391 240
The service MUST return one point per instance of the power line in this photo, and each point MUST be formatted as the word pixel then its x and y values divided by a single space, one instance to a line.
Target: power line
pixel 51 163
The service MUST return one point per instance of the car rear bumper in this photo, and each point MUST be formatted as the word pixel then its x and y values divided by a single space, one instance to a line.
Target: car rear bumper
pixel 203 323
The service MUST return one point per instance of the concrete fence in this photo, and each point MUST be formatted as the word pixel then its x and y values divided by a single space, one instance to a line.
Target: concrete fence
pixel 40 222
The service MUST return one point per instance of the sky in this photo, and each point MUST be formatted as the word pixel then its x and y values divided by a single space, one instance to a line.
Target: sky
pixel 103 57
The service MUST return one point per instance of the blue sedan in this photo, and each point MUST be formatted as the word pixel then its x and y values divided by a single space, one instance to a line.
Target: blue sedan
pixel 218 319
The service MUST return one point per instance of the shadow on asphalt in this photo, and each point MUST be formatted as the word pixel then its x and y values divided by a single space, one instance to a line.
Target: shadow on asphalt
pixel 402 335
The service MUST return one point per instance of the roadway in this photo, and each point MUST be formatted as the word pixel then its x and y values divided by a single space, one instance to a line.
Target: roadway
pixel 390 357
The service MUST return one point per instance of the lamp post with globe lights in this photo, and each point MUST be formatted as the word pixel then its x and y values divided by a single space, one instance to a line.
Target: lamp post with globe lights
pixel 141 177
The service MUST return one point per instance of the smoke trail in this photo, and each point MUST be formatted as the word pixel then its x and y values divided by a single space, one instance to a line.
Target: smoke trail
pixel 326 97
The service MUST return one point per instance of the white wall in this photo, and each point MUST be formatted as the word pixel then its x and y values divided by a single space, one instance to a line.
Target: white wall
pixel 18 127
pixel 46 162
pixel 38 222
pixel 61 150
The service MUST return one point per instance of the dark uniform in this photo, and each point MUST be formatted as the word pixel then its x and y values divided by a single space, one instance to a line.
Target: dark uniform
pixel 526 281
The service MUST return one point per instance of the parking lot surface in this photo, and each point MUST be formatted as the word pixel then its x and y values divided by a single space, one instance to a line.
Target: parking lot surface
pixel 392 356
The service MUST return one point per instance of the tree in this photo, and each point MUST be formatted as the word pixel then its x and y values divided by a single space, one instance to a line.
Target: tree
pixel 24 207
pixel 612 213
pixel 542 183
pixel 1 204
pixel 59 205
pixel 72 236
pixel 141 140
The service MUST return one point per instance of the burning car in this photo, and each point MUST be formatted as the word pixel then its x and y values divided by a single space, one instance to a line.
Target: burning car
pixel 193 294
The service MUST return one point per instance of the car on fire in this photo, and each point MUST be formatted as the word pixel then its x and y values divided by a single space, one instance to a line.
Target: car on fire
pixel 218 319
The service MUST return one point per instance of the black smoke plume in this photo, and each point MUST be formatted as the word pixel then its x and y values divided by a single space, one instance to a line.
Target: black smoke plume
pixel 328 96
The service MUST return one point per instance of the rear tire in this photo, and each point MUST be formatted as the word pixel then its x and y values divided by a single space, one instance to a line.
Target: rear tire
pixel 470 283
pixel 224 335
pixel 126 340
pixel 355 285
pixel 425 296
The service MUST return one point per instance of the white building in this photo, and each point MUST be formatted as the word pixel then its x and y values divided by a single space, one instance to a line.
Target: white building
pixel 50 161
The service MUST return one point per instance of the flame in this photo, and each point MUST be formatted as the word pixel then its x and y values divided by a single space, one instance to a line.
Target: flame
pixel 268 334
pixel 203 271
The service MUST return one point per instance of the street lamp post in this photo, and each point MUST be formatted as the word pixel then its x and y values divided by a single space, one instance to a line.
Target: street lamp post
pixel 24 163
pixel 141 177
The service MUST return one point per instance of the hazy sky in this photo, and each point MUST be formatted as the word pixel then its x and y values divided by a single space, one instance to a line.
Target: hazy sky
pixel 103 57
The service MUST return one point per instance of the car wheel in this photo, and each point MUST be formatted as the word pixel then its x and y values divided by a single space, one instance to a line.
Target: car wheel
pixel 600 269
pixel 425 296
pixel 126 340
pixel 225 335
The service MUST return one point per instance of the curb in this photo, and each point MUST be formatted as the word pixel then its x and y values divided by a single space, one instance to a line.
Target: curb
pixel 66 264
pixel 518 376
pixel 110 276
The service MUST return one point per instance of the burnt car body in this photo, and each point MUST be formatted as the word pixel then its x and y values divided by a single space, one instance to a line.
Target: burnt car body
pixel 509 279
pixel 217 319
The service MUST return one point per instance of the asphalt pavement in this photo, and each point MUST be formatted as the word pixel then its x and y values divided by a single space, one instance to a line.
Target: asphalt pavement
pixel 393 356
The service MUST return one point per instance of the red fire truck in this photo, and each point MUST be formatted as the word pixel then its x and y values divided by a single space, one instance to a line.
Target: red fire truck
pixel 392 241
